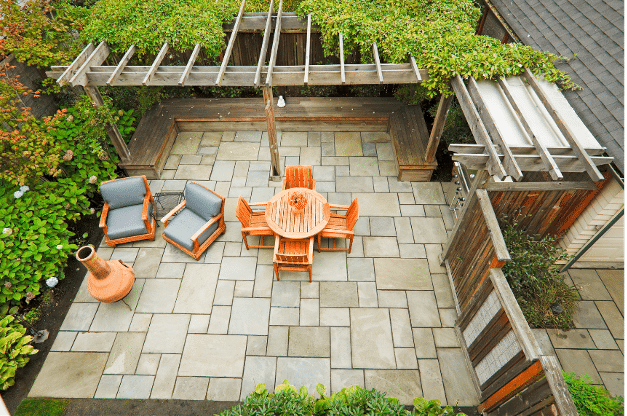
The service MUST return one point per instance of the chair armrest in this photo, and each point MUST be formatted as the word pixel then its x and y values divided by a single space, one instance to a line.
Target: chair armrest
pixel 247 229
pixel 103 216
pixel 347 232
pixel 204 227
pixel 258 204
pixel 145 209
pixel 177 208
pixel 340 207
pixel 311 244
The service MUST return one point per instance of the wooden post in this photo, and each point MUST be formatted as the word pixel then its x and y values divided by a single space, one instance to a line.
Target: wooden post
pixel 274 148
pixel 438 127
pixel 112 129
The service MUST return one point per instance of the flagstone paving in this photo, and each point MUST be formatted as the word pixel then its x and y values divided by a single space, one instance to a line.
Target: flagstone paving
pixel 381 317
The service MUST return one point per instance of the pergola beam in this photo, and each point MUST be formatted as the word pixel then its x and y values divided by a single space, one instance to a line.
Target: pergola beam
pixel 190 65
pixel 95 58
pixel 256 22
pixel 342 69
pixel 568 134
pixel 415 67
pixel 275 45
pixel 307 50
pixel 264 45
pixel 549 163
pixel 438 127
pixel 268 100
pixel 377 61
pixel 71 70
pixel 123 62
pixel 155 65
pixel 229 47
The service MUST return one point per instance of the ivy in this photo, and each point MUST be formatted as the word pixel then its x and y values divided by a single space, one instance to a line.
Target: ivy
pixel 14 350
pixel 440 34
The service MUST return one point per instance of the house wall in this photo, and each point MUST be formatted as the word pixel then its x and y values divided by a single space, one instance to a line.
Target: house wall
pixel 609 249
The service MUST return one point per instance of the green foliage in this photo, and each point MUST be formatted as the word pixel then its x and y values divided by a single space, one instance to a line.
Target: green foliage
pixel 535 280
pixel 38 33
pixel 440 34
pixel 456 128
pixel 354 401
pixel 14 350
pixel 263 5
pixel 41 407
pixel 139 99
pixel 147 24
pixel 592 400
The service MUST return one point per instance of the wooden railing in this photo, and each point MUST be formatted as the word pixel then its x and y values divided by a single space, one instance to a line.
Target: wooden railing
pixel 511 375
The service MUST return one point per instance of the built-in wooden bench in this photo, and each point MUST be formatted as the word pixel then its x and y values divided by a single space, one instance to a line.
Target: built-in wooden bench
pixel 155 135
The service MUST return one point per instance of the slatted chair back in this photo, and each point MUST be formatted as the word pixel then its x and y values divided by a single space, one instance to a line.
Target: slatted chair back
pixel 292 258
pixel 299 176
pixel 352 215
pixel 243 212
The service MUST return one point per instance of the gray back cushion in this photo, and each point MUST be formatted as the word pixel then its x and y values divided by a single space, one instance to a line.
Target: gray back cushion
pixel 202 202
pixel 124 192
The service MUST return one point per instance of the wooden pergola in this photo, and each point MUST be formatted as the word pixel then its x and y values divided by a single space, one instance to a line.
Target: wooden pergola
pixel 88 71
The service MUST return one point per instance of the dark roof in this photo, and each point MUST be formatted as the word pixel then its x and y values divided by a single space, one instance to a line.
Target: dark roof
pixel 594 30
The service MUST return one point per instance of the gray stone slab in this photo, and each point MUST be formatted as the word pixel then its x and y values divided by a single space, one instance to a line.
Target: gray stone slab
pixel 362 226
pixel 404 232
pixel 69 375
pixel 311 156
pixel 613 318
pixel 243 289
pixel 219 321
pixel 79 317
pixel 371 338
pixel 140 322
pixel 313 138
pixel 433 257
pixel 456 378
pixel 431 381
pixel 392 299
pixel 190 159
pixel 445 338
pixel 94 341
pixel 147 262
pixel 309 312
pixel 614 281
pixel 341 348
pixel 257 178
pixel 442 289
pixel 284 316
pixel 258 370
pixel 158 296
pixel 401 328
pixel 324 173
pixel 148 364
pixel 369 149
pixel 375 136
pixel 249 316
pixel 428 193
pixel 116 316
pixel 412 251
pixel 338 295
pixel 363 166
pixel 186 143
pixel 238 151
pixel 309 290
pixel 402 274
pixel 247 136
pixel 170 270
pixel 334 317
pixel 603 339
pixel 63 341
pixel 193 172
pixel 406 198
pixel 277 341
pixel 213 356
pixel 224 292
pixel 587 316
pixel 428 230
pixel 589 284
pixel 135 387
pixel 412 210
pixel 574 338
pixel 286 294
pixel 294 138
pixel 424 343
pixel 238 268
pixel 614 383
pixel 406 358
pixel 354 184
pixel 166 334
pixel 377 204
pixel 578 362
pixel 381 184
pixel 108 387
pixel 263 281
pixel 306 372
pixel 423 309
pixel 608 360
pixel 309 342
pixel 197 289
pixel 385 151
pixel 348 144
pixel 166 376
pixel 330 266
pixel 381 247
pixel 222 170
pixel 382 227
pixel 190 388
pixel 367 294
pixel 224 389
pixel 341 378
pixel 543 341
pixel 360 270
pixel 401 384
pixel 388 168
pixel 256 345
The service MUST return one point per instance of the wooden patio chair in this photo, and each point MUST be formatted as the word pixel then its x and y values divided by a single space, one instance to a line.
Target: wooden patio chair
pixel 294 255
pixel 196 222
pixel 253 223
pixel 129 210
pixel 340 226
pixel 299 176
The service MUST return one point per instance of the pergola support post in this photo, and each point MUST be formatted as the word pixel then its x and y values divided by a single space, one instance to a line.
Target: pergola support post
pixel 438 127
pixel 112 129
pixel 268 100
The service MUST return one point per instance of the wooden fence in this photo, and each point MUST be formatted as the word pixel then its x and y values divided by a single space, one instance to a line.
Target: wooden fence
pixel 511 375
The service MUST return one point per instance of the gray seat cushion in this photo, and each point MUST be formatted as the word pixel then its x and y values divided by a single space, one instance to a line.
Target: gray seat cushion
pixel 124 192
pixel 184 225
pixel 204 203
pixel 127 221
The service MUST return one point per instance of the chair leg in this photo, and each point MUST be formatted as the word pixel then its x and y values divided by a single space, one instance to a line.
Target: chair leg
pixel 276 270
pixel 319 242
pixel 309 270
pixel 350 246
pixel 245 240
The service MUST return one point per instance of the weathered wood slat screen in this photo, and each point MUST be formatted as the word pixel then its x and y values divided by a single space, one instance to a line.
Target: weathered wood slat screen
pixel 510 373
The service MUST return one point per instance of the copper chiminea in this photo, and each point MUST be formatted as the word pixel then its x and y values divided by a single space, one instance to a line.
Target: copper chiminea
pixel 109 281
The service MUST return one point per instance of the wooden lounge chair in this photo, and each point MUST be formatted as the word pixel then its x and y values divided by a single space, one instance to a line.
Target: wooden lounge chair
pixel 340 226
pixel 299 176
pixel 253 223
pixel 129 210
pixel 294 255
pixel 198 222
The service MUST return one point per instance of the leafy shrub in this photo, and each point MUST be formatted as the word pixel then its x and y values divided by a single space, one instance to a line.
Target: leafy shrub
pixel 354 401
pixel 591 400
pixel 535 280
pixel 456 128
pixel 14 350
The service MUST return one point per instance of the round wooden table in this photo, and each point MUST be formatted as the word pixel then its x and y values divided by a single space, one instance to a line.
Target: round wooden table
pixel 285 221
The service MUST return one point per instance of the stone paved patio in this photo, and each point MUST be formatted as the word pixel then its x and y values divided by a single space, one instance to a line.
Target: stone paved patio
pixel 381 317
